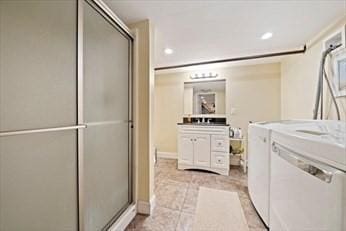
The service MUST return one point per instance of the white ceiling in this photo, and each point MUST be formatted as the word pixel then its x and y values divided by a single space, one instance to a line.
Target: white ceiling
pixel 207 30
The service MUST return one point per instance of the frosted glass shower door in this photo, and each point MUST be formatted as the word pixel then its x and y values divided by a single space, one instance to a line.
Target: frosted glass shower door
pixel 107 181
pixel 38 131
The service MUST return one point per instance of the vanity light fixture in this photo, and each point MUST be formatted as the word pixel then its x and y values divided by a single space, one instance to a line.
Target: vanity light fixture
pixel 267 35
pixel 203 75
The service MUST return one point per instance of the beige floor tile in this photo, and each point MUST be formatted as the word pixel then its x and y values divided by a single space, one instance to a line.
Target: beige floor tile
pixel 237 174
pixel 203 179
pixel 176 194
pixel 161 219
pixel 171 194
pixel 166 163
pixel 247 204
pixel 159 177
pixel 179 175
pixel 252 218
pixel 227 186
pixel 190 202
pixel 185 222
pixel 254 221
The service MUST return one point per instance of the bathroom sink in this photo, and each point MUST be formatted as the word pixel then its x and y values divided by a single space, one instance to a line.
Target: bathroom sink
pixel 209 124
pixel 204 124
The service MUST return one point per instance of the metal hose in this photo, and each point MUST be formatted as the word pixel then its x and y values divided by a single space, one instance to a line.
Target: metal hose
pixel 319 91
pixel 319 84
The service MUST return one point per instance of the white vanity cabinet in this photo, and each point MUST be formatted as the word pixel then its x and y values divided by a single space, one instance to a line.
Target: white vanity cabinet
pixel 189 144
pixel 203 147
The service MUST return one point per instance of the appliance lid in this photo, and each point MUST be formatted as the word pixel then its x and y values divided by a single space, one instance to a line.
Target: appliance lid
pixel 324 141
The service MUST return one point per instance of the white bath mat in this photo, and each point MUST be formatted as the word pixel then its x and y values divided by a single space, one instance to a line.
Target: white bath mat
pixel 219 210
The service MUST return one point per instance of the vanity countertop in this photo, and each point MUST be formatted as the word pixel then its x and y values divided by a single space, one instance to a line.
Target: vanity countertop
pixel 204 124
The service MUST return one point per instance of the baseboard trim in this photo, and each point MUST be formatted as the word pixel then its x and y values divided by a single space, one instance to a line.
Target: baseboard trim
pixel 145 207
pixel 167 155
pixel 125 219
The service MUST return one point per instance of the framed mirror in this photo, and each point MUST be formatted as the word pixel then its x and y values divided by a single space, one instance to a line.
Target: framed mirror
pixel 205 98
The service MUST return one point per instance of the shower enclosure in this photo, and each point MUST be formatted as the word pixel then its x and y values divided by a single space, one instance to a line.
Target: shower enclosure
pixel 65 116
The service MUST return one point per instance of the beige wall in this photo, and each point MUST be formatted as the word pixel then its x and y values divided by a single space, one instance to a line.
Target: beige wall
pixel 188 100
pixel 252 91
pixel 143 109
pixel 299 81
pixel 169 105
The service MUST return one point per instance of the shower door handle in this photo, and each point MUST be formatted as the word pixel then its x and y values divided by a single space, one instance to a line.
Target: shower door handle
pixel 42 130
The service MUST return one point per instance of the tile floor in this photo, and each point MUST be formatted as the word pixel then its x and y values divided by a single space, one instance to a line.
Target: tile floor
pixel 176 197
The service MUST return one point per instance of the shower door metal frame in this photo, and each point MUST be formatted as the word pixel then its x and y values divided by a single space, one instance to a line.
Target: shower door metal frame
pixel 80 125
pixel 108 15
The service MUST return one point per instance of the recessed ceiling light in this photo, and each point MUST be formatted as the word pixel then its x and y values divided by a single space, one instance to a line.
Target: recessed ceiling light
pixel 168 51
pixel 267 35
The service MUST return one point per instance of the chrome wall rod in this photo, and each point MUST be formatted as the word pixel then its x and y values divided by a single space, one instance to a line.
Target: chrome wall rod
pixel 41 130
pixel 235 59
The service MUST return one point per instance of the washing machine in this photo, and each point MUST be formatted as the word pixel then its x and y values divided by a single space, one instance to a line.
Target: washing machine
pixel 308 177
pixel 259 146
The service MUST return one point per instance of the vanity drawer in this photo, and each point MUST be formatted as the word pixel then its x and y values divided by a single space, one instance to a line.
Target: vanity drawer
pixel 219 160
pixel 219 143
